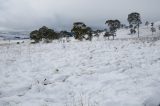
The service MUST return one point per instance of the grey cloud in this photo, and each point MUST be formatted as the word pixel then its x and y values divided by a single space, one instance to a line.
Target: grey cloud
pixel 60 14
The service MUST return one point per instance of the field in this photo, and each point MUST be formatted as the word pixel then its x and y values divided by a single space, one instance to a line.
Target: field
pixel 120 72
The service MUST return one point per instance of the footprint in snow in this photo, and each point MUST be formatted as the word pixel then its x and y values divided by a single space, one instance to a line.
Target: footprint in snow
pixel 62 78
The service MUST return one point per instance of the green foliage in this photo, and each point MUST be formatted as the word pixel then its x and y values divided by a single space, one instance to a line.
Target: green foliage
pixel 43 33
pixel 113 25
pixel 65 34
pixel 34 35
pixel 133 31
pixel 153 29
pixel 80 30
pixel 134 20
pixel 89 33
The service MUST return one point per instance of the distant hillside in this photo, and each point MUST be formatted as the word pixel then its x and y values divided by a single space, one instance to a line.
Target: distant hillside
pixel 14 35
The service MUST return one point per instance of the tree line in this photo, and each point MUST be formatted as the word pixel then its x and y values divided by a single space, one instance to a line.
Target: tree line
pixel 81 31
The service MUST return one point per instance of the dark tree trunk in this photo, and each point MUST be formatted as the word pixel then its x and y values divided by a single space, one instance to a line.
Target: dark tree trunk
pixel 138 30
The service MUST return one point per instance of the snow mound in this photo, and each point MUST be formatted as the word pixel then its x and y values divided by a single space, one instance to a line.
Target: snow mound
pixel 153 100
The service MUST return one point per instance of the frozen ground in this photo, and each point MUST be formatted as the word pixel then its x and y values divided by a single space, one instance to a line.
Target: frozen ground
pixel 123 72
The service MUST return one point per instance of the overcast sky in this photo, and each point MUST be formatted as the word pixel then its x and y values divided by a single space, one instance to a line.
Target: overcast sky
pixel 60 14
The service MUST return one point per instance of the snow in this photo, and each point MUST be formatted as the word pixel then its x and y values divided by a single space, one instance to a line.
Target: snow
pixel 120 72
pixel 157 23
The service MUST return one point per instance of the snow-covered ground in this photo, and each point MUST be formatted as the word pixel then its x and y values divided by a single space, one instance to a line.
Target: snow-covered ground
pixel 120 72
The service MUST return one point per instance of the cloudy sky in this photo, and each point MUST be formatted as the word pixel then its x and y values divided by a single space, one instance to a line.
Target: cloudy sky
pixel 60 14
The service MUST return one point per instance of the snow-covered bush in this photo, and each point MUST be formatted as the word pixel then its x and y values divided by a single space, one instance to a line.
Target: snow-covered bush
pixel 154 100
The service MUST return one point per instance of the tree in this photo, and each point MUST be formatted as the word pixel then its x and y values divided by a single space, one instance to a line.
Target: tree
pixel 152 24
pixel 65 34
pixel 146 23
pixel 44 33
pixel 134 20
pixel 89 33
pixel 122 26
pixel 132 30
pixel 47 33
pixel 108 34
pixel 80 30
pixel 34 35
pixel 113 26
pixel 153 29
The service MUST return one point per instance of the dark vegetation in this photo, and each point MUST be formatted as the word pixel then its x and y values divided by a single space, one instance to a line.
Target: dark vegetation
pixel 45 34
pixel 81 31
pixel 134 20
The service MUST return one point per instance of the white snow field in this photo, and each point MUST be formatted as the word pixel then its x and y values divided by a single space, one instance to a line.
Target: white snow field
pixel 120 72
